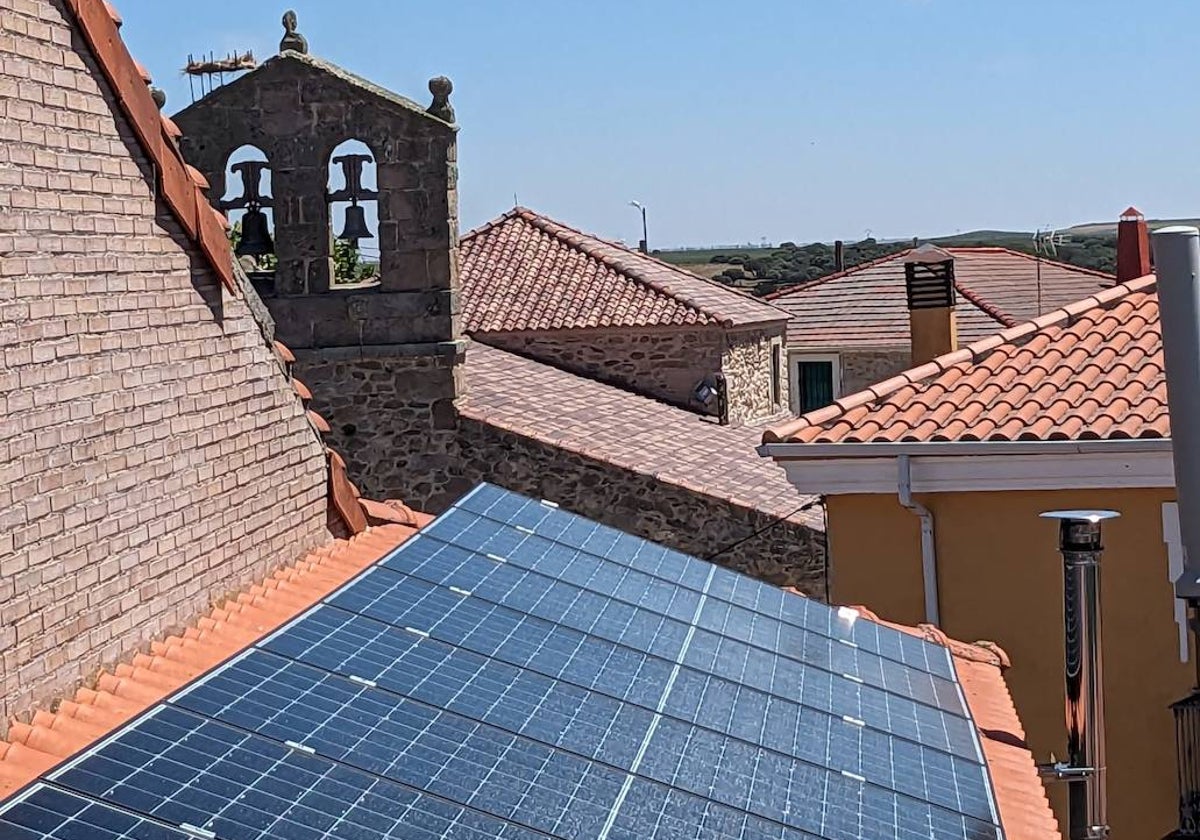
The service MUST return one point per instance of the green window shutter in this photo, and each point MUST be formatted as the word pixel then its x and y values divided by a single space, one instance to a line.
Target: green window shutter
pixel 816 385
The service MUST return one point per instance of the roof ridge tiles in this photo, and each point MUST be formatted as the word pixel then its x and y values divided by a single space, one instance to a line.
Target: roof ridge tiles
pixel 1018 335
pixel 984 305
pixel 99 23
pixel 584 243
pixel 573 280
pixel 837 275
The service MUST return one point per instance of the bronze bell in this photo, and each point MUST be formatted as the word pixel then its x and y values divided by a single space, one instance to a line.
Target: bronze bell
pixel 356 225
pixel 256 237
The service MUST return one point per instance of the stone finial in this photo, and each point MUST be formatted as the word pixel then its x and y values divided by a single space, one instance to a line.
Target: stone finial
pixel 159 96
pixel 292 40
pixel 441 88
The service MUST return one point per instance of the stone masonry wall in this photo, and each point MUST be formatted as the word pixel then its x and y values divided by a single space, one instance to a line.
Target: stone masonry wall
pixel 787 554
pixel 393 419
pixel 665 364
pixel 153 456
pixel 748 372
pixel 863 368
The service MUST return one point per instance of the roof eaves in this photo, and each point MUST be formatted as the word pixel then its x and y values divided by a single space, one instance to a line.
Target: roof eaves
pixel 177 183
pixel 971 354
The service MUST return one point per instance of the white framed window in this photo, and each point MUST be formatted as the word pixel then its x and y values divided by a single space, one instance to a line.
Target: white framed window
pixel 814 380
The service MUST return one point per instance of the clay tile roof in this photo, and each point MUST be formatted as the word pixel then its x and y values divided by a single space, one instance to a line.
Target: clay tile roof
pixel 524 271
pixel 865 307
pixel 629 431
pixel 1020 796
pixel 119 695
pixel 98 22
pixel 1091 370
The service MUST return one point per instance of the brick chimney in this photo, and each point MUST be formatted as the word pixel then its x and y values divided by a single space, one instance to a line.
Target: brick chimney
pixel 929 287
pixel 1133 246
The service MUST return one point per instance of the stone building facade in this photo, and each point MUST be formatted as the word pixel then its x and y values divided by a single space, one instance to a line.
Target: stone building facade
pixel 860 369
pixel 385 362
pixel 752 362
pixel 667 364
pixel 782 552
pixel 380 357
pixel 152 449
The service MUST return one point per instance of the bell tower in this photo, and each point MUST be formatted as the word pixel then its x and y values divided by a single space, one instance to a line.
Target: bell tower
pixel 381 350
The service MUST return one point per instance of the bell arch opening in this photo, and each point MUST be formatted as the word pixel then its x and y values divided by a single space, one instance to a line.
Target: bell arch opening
pixel 248 203
pixel 353 212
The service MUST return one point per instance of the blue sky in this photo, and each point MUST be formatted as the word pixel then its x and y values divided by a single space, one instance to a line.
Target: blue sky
pixel 781 119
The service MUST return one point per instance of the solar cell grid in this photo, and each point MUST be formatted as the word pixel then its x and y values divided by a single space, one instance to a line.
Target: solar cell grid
pixel 635 594
pixel 44 813
pixel 491 536
pixel 519 672
pixel 388 596
pixel 184 769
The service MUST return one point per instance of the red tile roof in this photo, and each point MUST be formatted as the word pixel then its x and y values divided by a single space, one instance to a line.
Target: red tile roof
pixel 629 431
pixel 180 185
pixel 1092 370
pixel 1020 797
pixel 524 271
pixel 865 307
pixel 118 695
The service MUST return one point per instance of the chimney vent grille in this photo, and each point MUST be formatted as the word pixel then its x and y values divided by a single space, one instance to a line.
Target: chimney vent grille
pixel 929 285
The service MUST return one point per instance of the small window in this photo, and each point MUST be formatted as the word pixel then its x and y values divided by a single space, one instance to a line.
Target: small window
pixel 814 381
pixel 776 373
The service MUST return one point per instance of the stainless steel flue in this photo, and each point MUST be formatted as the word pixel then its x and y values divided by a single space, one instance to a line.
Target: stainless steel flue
pixel 1084 770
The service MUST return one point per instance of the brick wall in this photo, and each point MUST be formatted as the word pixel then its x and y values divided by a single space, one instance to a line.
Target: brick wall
pixel 748 370
pixel 786 553
pixel 153 456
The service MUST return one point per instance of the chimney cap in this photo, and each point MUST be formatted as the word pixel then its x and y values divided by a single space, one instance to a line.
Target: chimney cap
pixel 1088 515
pixel 928 254
pixel 1132 214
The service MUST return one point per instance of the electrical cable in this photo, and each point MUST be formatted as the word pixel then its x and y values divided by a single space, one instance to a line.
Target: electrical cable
pixel 806 506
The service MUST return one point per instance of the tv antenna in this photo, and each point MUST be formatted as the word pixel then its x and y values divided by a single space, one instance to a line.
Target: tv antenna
pixel 1046 240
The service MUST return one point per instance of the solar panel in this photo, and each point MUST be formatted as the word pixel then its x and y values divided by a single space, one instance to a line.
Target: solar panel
pixel 517 671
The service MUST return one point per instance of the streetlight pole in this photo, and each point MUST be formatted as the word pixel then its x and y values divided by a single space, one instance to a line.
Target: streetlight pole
pixel 644 246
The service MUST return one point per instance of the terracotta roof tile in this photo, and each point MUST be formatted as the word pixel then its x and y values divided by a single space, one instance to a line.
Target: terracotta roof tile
pixel 525 271
pixel 99 22
pixel 118 695
pixel 865 307
pixel 632 432
pixel 1082 372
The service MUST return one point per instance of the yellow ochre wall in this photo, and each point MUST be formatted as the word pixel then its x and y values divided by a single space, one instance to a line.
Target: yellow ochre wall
pixel 1000 579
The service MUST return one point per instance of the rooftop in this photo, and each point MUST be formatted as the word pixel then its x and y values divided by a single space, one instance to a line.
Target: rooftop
pixel 524 271
pixel 865 307
pixel 627 430
pixel 199 680
pixel 1092 370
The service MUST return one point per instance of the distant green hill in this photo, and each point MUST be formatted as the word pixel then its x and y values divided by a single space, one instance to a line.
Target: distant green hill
pixel 764 270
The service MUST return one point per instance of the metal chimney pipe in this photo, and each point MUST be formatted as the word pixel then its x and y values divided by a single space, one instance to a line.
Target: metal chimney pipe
pixel 1177 264
pixel 839 255
pixel 1084 770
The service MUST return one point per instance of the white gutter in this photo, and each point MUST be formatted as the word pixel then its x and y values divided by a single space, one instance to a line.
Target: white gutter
pixel 808 451
pixel 928 547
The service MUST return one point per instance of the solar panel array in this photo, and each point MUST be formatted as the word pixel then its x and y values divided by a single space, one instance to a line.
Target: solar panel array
pixel 516 671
